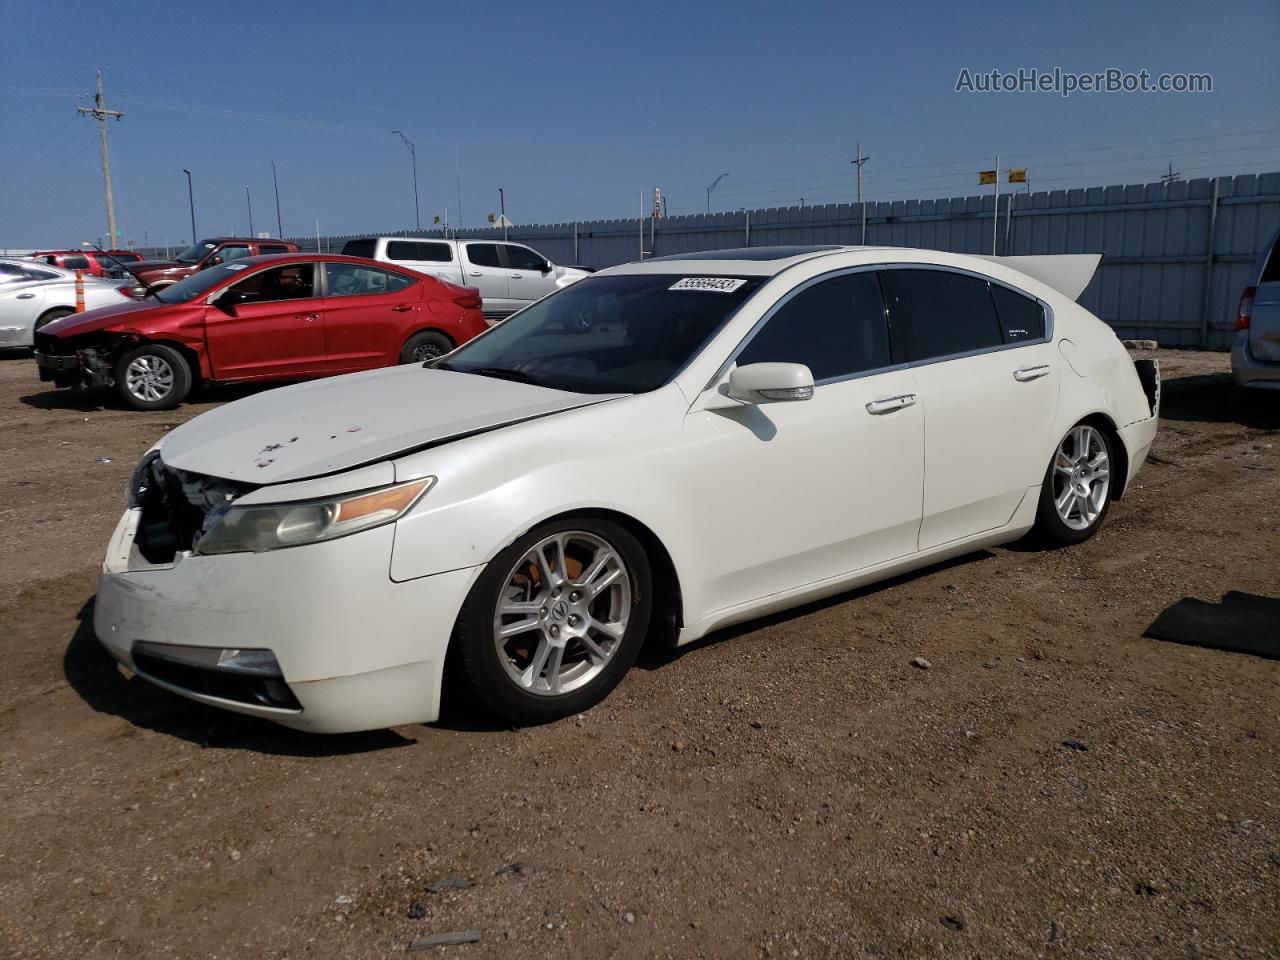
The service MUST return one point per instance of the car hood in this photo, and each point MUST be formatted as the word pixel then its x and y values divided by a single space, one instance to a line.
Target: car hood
pixel 326 426
pixel 93 320
pixel 153 264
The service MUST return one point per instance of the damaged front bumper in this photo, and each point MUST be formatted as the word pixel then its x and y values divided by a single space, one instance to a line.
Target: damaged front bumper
pixel 85 367
pixel 352 650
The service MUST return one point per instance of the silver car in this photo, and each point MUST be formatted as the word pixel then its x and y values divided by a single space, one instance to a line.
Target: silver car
pixel 33 294
pixel 1255 355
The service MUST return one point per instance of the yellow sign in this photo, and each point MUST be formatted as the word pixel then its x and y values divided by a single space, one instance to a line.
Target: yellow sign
pixel 986 176
pixel 1017 174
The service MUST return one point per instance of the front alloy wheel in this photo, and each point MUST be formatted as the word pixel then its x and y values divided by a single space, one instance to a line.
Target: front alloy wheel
pixel 555 620
pixel 1077 489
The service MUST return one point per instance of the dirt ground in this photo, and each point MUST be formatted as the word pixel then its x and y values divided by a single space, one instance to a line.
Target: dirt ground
pixel 1053 785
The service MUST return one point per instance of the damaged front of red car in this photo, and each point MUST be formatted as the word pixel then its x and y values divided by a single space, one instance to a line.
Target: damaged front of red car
pixel 149 349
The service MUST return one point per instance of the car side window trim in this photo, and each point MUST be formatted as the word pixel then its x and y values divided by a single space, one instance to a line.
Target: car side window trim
pixel 879 268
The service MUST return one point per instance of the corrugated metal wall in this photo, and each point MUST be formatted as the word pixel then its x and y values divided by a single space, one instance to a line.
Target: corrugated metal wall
pixel 1165 274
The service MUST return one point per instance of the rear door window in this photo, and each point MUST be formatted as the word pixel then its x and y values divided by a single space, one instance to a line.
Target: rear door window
pixel 1021 318
pixel 483 254
pixel 73 261
pixel 359 248
pixel 938 313
pixel 266 248
pixel 229 253
pixel 836 328
pixel 356 280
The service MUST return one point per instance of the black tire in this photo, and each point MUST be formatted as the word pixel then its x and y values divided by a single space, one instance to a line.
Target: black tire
pixel 1050 527
pixel 163 359
pixel 424 346
pixel 478 656
pixel 51 316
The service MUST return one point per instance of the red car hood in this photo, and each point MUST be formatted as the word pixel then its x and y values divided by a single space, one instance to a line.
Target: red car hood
pixel 93 320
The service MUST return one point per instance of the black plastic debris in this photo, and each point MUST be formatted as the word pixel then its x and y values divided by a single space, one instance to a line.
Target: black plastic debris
pixel 450 939
pixel 1241 623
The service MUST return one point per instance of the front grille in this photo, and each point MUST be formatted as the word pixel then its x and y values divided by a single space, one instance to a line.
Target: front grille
pixel 177 507
pixel 53 346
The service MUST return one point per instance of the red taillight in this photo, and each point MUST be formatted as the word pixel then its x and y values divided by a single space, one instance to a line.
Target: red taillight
pixel 469 298
pixel 1245 314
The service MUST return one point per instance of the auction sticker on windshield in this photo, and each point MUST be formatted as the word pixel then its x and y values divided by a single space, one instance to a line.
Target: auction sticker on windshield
pixel 709 284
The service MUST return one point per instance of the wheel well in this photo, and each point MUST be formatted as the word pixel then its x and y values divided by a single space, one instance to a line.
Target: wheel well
pixel 668 603
pixel 431 330
pixel 42 316
pixel 1120 476
pixel 187 354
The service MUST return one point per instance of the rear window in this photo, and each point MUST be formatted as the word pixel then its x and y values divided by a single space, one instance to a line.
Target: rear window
pixel 1271 270
pixel 272 248
pixel 359 248
pixel 74 261
pixel 418 251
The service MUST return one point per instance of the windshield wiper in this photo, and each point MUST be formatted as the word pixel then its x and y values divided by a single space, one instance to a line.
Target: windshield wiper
pixel 500 373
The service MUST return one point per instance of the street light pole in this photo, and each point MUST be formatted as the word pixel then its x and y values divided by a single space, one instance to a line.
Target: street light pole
pixel 502 209
pixel 413 154
pixel 249 202
pixel 191 200
pixel 714 183
pixel 276 184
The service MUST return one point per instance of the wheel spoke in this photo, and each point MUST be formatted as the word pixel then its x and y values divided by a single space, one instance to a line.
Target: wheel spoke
pixel 603 583
pixel 1063 503
pixel 598 563
pixel 520 626
pixel 529 678
pixel 520 606
pixel 1082 443
pixel 554 662
pixel 593 649
pixel 611 630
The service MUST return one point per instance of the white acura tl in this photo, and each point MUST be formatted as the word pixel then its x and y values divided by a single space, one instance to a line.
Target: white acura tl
pixel 659 450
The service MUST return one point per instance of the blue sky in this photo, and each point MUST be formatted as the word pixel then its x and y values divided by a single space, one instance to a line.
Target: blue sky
pixel 575 109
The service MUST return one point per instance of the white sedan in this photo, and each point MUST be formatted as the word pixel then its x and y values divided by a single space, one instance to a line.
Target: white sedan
pixel 34 294
pixel 657 451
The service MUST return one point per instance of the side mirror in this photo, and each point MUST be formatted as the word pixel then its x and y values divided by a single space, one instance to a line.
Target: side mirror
pixel 227 299
pixel 771 383
pixel 545 268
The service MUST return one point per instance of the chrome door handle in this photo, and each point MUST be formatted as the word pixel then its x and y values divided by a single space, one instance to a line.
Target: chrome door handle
pixel 476 273
pixel 402 308
pixel 307 316
pixel 1024 374
pixel 889 404
pixel 25 296
pixel 516 276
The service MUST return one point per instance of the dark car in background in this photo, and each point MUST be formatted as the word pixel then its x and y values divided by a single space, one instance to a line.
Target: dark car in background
pixel 291 317
pixel 158 274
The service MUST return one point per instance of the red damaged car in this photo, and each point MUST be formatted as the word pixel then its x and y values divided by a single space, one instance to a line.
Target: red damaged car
pixel 289 317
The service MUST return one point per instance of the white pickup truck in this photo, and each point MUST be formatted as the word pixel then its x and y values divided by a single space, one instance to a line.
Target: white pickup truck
pixel 508 275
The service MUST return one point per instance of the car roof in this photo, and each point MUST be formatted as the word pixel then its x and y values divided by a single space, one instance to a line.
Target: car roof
pixel 740 261
pixel 312 257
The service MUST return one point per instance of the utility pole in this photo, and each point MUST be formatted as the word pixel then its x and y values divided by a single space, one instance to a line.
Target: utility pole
pixel 858 161
pixel 191 200
pixel 995 210
pixel 100 113
pixel 413 153
pixel 249 202
pixel 276 184
pixel 457 176
pixel 714 183
pixel 502 208
pixel 1171 176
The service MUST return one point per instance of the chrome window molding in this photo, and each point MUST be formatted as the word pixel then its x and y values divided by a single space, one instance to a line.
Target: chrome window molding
pixel 889 368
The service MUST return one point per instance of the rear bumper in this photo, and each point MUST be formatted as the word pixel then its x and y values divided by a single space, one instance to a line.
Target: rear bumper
pixel 1247 371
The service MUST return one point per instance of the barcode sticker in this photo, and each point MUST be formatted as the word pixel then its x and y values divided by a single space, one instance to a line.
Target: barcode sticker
pixel 708 284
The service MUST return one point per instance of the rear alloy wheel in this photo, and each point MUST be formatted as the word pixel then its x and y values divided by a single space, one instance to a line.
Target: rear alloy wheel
pixel 1076 493
pixel 153 377
pixel 424 346
pixel 556 620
